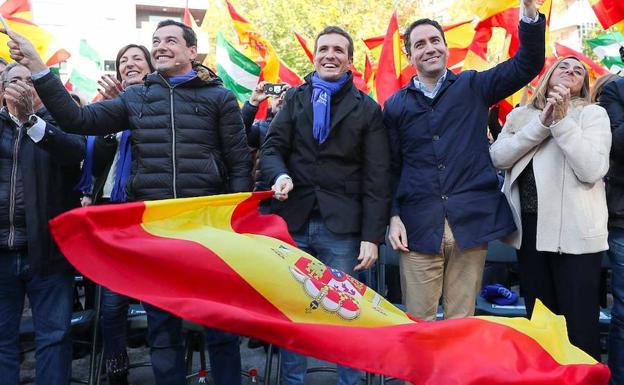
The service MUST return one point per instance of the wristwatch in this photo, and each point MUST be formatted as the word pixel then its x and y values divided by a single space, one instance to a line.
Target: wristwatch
pixel 32 120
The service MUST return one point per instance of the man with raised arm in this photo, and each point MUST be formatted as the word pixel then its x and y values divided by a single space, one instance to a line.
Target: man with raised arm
pixel 446 202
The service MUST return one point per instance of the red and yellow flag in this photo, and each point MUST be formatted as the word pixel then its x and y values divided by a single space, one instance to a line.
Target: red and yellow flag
pixel 503 14
pixel 259 49
pixel 391 63
pixel 609 13
pixel 458 38
pixel 216 261
pixel 18 15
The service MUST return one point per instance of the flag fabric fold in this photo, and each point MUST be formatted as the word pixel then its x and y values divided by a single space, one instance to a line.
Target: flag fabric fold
pixel 18 16
pixel 609 13
pixel 218 262
pixel 391 63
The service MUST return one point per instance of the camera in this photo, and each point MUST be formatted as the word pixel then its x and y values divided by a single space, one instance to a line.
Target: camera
pixel 274 88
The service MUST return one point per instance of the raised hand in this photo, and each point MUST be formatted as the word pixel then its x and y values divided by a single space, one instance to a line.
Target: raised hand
pixel 556 107
pixel 258 94
pixel 22 51
pixel 561 98
pixel 110 87
pixel 530 7
pixel 19 100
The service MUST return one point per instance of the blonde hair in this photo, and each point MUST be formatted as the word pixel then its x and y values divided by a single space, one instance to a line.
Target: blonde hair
pixel 539 97
pixel 599 85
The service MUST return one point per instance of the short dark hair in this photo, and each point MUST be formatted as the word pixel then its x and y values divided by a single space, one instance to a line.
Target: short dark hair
pixel 187 32
pixel 408 32
pixel 339 31
pixel 123 50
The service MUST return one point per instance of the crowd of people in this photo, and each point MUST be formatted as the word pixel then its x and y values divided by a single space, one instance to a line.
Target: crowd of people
pixel 346 176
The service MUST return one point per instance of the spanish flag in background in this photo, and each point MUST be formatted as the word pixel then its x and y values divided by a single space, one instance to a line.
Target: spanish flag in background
pixel 609 13
pixel 217 261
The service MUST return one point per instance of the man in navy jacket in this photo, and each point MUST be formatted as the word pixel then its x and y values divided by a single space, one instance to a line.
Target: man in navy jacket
pixel 612 99
pixel 446 202
pixel 37 161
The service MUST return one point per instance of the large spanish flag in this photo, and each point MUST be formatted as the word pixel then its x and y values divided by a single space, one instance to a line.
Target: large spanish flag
pixel 216 261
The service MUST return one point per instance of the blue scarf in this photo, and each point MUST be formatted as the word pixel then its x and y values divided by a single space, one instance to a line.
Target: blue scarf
pixel 322 91
pixel 85 184
pixel 175 80
pixel 122 172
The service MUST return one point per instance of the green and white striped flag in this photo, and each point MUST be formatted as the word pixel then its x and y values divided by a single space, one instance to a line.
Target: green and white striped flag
pixel 86 70
pixel 239 73
pixel 607 48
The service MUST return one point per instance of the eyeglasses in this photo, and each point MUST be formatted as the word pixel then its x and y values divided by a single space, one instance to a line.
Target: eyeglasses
pixel 14 81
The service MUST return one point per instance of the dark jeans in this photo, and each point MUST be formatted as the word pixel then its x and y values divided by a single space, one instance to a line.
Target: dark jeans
pixel 50 298
pixel 616 330
pixel 164 336
pixel 338 251
pixel 225 358
pixel 568 284
pixel 114 322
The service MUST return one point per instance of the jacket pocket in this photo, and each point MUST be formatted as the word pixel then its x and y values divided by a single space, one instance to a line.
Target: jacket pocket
pixel 594 207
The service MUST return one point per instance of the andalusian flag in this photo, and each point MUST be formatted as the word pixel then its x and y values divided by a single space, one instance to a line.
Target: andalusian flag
pixel 239 73
pixel 609 13
pixel 18 15
pixel 86 70
pixel 607 48
pixel 261 50
pixel 217 261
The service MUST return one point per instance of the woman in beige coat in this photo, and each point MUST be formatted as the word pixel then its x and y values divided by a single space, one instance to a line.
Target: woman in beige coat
pixel 555 152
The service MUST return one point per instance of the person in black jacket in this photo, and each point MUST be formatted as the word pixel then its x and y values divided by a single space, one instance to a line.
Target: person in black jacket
pixel 36 159
pixel 612 99
pixel 326 156
pixel 104 175
pixel 257 129
pixel 187 140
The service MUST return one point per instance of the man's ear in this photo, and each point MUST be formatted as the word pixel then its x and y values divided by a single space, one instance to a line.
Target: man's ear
pixel 193 50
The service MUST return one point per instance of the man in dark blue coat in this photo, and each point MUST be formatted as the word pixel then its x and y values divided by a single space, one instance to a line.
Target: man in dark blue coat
pixel 446 202
pixel 36 162
pixel 612 99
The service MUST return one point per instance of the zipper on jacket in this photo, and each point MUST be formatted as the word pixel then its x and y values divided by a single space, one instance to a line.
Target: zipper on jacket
pixel 561 208
pixel 13 189
pixel 173 143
